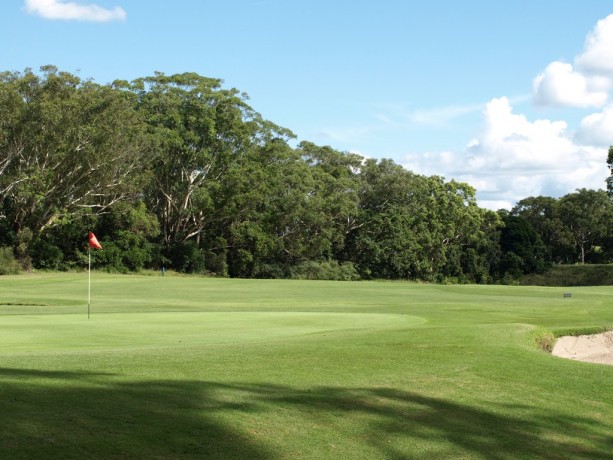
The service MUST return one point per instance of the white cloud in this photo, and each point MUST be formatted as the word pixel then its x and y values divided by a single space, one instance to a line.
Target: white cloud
pixel 597 128
pixel 597 56
pixel 514 158
pixel 441 115
pixel 71 11
pixel 561 85
pixel 397 116
pixel 588 82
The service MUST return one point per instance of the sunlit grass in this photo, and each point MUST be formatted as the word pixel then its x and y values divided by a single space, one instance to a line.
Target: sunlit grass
pixel 187 367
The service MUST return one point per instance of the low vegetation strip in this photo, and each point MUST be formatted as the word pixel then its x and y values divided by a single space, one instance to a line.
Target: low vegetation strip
pixel 572 275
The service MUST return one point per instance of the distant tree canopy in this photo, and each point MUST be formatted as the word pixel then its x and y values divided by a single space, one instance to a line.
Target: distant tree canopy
pixel 178 172
pixel 575 228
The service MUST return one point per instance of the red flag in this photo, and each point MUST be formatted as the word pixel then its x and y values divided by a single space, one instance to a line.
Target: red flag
pixel 93 241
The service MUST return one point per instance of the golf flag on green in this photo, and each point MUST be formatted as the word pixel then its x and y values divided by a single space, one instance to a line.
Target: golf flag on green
pixel 93 243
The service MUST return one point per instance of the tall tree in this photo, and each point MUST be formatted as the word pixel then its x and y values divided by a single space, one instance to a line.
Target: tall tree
pixel 522 250
pixel 333 200
pixel 610 178
pixel 260 209
pixel 543 214
pixel 67 147
pixel 199 129
pixel 412 226
pixel 385 244
pixel 588 215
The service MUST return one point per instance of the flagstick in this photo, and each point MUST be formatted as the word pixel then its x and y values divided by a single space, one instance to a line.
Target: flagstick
pixel 89 289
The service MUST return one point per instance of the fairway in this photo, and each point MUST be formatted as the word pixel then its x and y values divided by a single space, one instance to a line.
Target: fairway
pixel 190 367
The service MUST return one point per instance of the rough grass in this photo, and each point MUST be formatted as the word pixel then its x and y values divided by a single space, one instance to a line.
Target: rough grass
pixel 573 275
pixel 181 367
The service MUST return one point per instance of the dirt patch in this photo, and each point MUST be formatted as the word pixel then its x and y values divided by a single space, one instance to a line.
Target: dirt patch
pixel 596 348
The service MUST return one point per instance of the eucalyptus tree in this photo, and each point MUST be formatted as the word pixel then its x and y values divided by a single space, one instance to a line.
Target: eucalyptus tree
pixel 543 214
pixel 385 244
pixel 199 129
pixel 260 211
pixel 460 232
pixel 414 226
pixel 333 201
pixel 275 209
pixel 588 215
pixel 68 147
pixel 522 250
pixel 609 179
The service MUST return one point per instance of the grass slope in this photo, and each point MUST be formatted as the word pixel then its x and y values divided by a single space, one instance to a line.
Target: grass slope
pixel 186 367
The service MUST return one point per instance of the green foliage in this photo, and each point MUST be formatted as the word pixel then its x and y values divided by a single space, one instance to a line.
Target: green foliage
pixel 543 214
pixel 584 330
pixel 69 147
pixel 522 250
pixel 24 239
pixel 572 275
pixel 544 340
pixel 199 130
pixel 47 256
pixel 328 270
pixel 126 252
pixel 187 258
pixel 588 215
pixel 177 171
pixel 610 178
pixel 8 264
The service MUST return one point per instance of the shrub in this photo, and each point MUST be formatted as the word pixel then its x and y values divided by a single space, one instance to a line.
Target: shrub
pixel 47 256
pixel 8 264
pixel 327 270
pixel 187 258
pixel 572 275
pixel 544 340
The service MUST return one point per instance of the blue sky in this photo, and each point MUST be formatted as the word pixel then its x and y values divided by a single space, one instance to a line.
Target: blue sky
pixel 513 97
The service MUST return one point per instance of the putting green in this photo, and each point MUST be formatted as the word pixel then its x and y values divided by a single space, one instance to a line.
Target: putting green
pixel 123 331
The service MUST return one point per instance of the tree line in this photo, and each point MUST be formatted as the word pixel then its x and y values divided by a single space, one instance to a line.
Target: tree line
pixel 177 171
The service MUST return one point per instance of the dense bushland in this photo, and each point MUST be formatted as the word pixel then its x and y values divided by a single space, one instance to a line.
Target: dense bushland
pixel 179 172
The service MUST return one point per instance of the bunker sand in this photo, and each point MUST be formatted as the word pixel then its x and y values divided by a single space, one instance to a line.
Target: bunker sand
pixel 596 348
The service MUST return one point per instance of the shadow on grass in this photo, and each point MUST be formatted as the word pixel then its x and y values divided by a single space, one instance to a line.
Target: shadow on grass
pixel 80 415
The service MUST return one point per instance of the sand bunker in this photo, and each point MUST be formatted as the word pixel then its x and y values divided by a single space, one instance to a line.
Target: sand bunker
pixel 590 348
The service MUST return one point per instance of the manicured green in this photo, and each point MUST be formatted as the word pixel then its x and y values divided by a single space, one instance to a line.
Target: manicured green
pixel 190 368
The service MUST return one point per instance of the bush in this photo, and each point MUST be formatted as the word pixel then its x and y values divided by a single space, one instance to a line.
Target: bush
pixel 126 252
pixel 572 275
pixel 8 264
pixel 328 270
pixel 544 340
pixel 47 256
pixel 187 258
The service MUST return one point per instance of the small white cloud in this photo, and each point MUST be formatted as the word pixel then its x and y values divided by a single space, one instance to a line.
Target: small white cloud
pixel 561 85
pixel 71 11
pixel 597 128
pixel 441 115
pixel 514 158
pixel 588 83
pixel 399 116
pixel 597 56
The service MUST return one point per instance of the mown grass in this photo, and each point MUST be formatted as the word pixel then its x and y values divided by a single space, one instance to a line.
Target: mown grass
pixel 186 367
